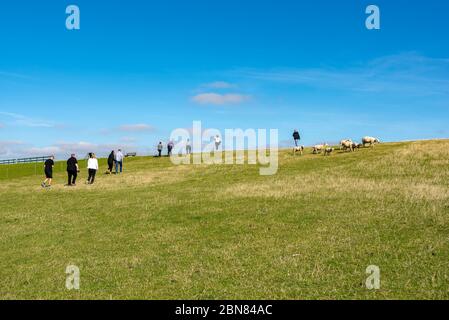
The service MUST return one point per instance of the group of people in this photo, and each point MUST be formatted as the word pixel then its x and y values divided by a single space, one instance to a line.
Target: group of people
pixel 188 146
pixel 115 158
pixel 160 147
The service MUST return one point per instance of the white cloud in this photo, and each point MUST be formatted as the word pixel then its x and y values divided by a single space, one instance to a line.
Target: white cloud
pixel 128 139
pixel 21 120
pixel 18 149
pixel 137 128
pixel 44 151
pixel 220 99
pixel 9 148
pixel 220 85
pixel 407 73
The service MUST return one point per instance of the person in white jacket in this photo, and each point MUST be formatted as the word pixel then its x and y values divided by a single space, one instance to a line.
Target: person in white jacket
pixel 92 167
pixel 119 161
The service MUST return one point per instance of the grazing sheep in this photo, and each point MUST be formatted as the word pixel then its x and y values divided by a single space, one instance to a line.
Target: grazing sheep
pixel 370 141
pixel 318 148
pixel 356 146
pixel 328 151
pixel 299 149
pixel 347 145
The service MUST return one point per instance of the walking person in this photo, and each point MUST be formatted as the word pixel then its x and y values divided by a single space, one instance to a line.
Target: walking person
pixel 111 159
pixel 92 167
pixel 170 146
pixel 217 141
pixel 188 147
pixel 119 161
pixel 72 170
pixel 48 170
pixel 296 137
pixel 160 147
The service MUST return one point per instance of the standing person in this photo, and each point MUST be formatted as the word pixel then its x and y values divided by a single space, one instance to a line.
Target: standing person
pixel 119 161
pixel 170 146
pixel 159 148
pixel 72 170
pixel 296 137
pixel 188 147
pixel 92 167
pixel 48 169
pixel 217 141
pixel 111 161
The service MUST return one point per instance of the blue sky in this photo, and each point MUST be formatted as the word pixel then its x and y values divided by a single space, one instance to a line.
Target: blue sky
pixel 136 70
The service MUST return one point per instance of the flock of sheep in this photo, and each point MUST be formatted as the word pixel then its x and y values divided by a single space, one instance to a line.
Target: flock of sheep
pixel 347 145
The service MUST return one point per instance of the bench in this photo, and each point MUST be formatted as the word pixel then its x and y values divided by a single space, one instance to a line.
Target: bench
pixel 131 154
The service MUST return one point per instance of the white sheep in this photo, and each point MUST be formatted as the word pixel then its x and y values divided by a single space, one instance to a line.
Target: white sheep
pixel 318 148
pixel 347 145
pixel 298 149
pixel 356 145
pixel 370 141
pixel 328 151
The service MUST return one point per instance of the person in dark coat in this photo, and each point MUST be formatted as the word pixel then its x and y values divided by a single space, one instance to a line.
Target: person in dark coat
pixel 296 137
pixel 72 170
pixel 49 164
pixel 111 161
pixel 170 146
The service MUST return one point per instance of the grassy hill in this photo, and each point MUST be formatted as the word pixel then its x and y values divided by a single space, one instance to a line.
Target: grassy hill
pixel 224 232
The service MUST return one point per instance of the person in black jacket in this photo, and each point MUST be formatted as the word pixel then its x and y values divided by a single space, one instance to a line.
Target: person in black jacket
pixel 72 170
pixel 49 164
pixel 296 137
pixel 111 161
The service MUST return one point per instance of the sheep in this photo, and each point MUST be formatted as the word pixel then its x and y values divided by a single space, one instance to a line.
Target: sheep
pixel 328 151
pixel 347 144
pixel 318 148
pixel 370 141
pixel 356 146
pixel 299 149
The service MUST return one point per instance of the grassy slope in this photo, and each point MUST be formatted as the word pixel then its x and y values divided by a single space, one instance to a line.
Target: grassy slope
pixel 162 231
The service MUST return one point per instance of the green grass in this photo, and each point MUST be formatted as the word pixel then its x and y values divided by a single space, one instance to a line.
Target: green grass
pixel 224 232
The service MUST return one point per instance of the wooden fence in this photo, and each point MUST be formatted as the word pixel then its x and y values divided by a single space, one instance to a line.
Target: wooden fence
pixel 24 160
